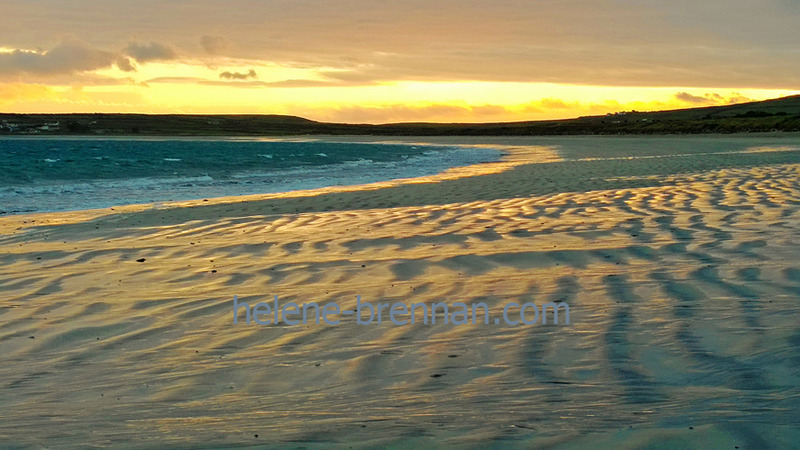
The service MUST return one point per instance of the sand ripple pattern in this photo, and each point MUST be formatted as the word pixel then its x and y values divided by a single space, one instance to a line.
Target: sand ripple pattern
pixel 684 292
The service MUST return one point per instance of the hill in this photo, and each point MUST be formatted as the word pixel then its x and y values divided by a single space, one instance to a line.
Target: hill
pixel 781 114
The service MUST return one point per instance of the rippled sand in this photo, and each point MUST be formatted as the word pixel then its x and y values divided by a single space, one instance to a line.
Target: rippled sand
pixel 681 270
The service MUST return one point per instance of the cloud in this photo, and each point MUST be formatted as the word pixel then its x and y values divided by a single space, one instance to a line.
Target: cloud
pixel 694 99
pixel 153 51
pixel 178 80
pixel 214 45
pixel 125 64
pixel 301 83
pixel 396 113
pixel 554 103
pixel 73 56
pixel 738 98
pixel 429 112
pixel 245 83
pixel 711 99
pixel 714 43
pixel 357 76
pixel 541 109
pixel 37 98
pixel 19 92
pixel 70 56
pixel 239 75
pixel 243 80
pixel 206 82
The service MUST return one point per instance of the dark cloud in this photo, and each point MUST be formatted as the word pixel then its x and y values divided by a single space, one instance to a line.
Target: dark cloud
pixel 178 80
pixel 738 98
pixel 251 74
pixel 73 56
pixel 694 99
pixel 70 56
pixel 206 82
pixel 711 99
pixel 125 64
pixel 244 83
pixel 153 51
pixel 214 45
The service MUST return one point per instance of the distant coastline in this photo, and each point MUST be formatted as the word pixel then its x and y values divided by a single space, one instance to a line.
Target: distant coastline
pixel 778 115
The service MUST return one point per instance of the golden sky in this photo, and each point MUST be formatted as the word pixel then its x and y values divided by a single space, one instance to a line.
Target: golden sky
pixel 401 60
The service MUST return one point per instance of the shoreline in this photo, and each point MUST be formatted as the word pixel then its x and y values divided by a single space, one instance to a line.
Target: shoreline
pixel 451 159
pixel 515 151
pixel 510 156
pixel 390 137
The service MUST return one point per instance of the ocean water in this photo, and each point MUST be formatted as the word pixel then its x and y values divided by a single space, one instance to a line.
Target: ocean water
pixel 60 174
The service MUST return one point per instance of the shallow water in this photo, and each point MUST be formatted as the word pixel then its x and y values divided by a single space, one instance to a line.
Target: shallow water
pixel 45 174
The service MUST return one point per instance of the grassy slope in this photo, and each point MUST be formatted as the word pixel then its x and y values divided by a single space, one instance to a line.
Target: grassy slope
pixel 771 115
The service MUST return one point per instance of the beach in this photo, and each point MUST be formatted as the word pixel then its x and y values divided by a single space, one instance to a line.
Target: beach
pixel 677 256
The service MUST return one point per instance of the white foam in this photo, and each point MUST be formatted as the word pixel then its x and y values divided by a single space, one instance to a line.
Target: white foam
pixel 78 195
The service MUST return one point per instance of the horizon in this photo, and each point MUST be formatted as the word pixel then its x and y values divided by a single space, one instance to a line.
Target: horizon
pixel 232 115
pixel 357 62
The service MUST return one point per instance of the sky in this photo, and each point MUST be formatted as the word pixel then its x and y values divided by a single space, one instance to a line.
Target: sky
pixel 396 60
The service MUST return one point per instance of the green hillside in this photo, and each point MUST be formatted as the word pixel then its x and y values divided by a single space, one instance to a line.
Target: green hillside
pixel 781 114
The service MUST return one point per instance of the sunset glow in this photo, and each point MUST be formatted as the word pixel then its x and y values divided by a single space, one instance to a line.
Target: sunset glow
pixel 363 63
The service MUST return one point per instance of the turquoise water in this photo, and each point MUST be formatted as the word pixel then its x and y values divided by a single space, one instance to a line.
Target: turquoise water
pixel 53 174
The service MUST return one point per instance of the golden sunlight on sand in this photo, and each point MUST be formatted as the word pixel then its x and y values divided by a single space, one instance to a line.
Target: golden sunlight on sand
pixel 679 269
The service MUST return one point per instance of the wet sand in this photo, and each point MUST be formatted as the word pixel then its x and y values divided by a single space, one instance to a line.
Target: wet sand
pixel 680 268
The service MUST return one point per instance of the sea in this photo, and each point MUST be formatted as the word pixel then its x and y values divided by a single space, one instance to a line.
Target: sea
pixel 45 174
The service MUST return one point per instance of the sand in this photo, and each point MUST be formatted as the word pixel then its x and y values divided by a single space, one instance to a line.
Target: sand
pixel 681 271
